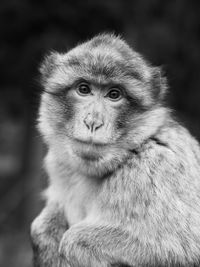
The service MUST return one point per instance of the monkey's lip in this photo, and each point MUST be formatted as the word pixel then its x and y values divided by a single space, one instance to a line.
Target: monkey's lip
pixel 91 142
pixel 90 156
pixel 89 150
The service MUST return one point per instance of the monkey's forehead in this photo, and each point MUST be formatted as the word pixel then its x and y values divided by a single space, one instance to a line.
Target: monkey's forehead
pixel 104 62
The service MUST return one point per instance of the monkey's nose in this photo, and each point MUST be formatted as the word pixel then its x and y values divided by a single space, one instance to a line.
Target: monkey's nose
pixel 93 124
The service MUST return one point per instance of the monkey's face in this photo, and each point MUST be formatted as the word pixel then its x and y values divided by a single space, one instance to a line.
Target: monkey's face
pixel 96 100
pixel 91 116
pixel 94 117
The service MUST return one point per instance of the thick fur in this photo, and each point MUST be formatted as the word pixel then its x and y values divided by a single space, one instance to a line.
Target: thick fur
pixel 133 200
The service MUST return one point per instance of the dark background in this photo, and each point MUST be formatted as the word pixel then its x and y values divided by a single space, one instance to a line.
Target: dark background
pixel 165 32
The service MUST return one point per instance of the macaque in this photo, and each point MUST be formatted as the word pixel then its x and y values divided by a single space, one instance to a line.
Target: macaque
pixel 124 175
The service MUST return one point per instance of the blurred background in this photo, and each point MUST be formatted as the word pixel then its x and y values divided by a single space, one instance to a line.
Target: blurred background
pixel 165 32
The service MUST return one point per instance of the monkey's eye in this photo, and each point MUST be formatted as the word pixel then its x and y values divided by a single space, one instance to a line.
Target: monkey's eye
pixel 83 89
pixel 114 94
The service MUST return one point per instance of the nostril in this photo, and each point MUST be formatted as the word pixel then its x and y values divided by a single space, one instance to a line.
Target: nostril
pixel 92 125
pixel 87 124
pixel 97 126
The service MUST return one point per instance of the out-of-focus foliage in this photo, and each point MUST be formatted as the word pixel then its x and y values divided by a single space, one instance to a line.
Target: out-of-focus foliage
pixel 166 32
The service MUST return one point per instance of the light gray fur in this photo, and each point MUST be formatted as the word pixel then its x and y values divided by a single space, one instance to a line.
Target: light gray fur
pixel 139 205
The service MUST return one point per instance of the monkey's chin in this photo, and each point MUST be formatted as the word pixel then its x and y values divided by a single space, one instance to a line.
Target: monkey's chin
pixel 95 160
pixel 90 151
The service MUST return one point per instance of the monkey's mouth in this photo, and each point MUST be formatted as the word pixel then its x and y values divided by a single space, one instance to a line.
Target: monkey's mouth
pixel 89 156
pixel 90 151
pixel 91 142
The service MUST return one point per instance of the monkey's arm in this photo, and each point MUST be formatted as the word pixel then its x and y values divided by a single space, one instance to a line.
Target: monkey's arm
pixel 96 245
pixel 46 232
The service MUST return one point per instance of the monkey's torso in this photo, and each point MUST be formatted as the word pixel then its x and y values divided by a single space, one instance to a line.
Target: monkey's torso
pixel 155 195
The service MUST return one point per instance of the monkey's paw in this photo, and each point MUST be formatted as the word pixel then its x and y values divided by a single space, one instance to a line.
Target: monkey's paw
pixel 76 251
pixel 45 249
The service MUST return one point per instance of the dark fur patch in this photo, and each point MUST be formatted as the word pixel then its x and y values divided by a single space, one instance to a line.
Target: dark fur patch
pixel 73 62
pixel 136 104
pixel 158 141
pixel 69 111
pixel 122 119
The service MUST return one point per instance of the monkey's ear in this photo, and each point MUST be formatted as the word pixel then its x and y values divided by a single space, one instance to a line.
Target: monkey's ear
pixel 48 65
pixel 158 83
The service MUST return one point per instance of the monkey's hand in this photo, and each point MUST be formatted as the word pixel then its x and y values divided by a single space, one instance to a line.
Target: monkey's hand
pixel 46 232
pixel 85 245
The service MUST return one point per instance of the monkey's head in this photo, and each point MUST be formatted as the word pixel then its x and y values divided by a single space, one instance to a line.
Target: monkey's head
pixel 101 100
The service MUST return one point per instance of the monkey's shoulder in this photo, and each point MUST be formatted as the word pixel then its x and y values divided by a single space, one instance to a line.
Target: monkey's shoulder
pixel 173 139
pixel 173 134
pixel 172 153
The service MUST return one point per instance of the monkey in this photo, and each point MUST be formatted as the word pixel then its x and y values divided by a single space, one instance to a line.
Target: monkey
pixel 124 174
